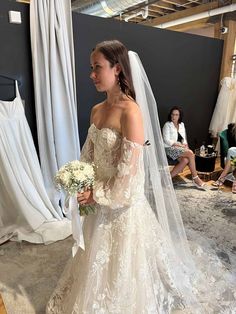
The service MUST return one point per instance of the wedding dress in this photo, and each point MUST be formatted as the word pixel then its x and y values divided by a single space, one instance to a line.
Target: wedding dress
pixel 129 266
pixel 225 109
pixel 26 212
pixel 137 258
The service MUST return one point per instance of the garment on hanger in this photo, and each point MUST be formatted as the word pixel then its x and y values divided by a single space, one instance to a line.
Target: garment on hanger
pixel 225 109
pixel 7 78
pixel 26 212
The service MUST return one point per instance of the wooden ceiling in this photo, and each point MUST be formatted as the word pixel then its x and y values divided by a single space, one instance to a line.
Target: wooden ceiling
pixel 162 11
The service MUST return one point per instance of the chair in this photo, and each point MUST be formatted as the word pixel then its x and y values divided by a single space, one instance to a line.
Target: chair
pixel 224 146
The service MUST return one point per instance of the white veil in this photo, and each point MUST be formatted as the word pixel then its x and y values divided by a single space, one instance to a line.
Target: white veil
pixel 158 184
pixel 159 188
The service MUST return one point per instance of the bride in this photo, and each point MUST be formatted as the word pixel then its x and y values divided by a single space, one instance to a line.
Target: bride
pixel 136 259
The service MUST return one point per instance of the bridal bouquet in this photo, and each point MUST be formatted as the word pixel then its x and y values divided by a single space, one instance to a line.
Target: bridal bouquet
pixel 76 176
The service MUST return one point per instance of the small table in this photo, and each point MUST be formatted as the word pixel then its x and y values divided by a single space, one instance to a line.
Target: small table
pixel 205 164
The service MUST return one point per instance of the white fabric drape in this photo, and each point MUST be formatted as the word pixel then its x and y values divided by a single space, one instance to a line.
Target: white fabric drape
pixel 158 188
pixel 225 109
pixel 26 212
pixel 54 83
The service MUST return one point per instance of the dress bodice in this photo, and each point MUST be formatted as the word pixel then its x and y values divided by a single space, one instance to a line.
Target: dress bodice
pixel 10 110
pixel 13 109
pixel 107 150
pixel 119 170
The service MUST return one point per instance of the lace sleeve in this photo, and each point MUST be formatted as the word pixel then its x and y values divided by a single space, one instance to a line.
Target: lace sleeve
pixel 120 190
pixel 87 151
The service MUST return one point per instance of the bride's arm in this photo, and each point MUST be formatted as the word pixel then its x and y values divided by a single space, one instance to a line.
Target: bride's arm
pixel 118 191
pixel 87 149
pixel 132 124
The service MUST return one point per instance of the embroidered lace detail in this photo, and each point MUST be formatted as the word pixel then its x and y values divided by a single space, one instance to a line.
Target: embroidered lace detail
pixel 128 266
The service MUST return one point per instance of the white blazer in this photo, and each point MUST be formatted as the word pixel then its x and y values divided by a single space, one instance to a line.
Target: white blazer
pixel 170 133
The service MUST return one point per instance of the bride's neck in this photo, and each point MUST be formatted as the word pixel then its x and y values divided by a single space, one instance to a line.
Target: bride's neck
pixel 114 97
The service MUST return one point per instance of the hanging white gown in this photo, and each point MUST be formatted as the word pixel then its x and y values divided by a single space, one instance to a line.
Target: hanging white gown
pixel 225 109
pixel 129 266
pixel 26 212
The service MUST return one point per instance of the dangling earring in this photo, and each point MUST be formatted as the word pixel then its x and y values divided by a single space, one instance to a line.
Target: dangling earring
pixel 118 82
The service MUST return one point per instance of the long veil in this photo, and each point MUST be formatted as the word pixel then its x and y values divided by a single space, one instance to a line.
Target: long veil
pixel 158 184
pixel 207 286
pixel 159 188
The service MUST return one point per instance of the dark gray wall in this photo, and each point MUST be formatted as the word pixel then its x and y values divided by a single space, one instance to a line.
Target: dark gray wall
pixel 183 69
pixel 15 58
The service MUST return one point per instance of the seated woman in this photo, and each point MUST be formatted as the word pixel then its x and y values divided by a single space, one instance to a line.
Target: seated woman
pixel 231 136
pixel 176 146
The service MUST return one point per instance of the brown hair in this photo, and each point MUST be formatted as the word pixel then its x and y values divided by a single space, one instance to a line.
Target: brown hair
pixel 116 52
pixel 180 113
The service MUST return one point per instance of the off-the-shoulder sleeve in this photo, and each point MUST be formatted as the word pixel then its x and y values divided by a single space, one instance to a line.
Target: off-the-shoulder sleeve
pixel 120 190
pixel 87 151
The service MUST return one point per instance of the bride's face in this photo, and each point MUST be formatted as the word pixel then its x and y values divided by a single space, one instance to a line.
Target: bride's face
pixel 103 75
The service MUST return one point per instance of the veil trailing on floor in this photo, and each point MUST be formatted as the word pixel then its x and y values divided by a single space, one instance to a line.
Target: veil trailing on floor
pixel 205 283
pixel 159 188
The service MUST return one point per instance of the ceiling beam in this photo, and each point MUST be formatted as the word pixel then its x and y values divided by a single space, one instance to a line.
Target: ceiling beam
pixel 191 25
pixel 135 7
pixel 155 13
pixel 180 14
pixel 179 3
pixel 164 5
pixel 229 49
pixel 159 11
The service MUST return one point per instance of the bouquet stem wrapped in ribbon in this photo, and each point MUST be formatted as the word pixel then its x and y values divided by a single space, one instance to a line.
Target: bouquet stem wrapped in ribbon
pixel 76 176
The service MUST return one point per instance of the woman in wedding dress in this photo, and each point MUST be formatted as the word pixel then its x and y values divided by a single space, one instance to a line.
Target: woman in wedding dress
pixel 136 260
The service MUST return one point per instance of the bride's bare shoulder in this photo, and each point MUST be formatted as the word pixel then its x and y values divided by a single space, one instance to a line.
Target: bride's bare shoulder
pixel 95 110
pixel 131 115
pixel 132 123
pixel 131 107
pixel 97 106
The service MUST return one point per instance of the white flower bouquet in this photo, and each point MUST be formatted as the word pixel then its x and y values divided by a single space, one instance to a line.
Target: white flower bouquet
pixel 76 176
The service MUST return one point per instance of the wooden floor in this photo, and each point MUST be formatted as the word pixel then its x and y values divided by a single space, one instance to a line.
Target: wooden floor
pixel 209 178
pixel 2 307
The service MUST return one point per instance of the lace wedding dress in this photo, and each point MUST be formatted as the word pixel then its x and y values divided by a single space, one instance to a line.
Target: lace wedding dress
pixel 129 266
pixel 225 108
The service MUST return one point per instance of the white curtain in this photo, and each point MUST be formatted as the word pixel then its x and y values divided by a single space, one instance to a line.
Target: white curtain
pixel 225 109
pixel 54 87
